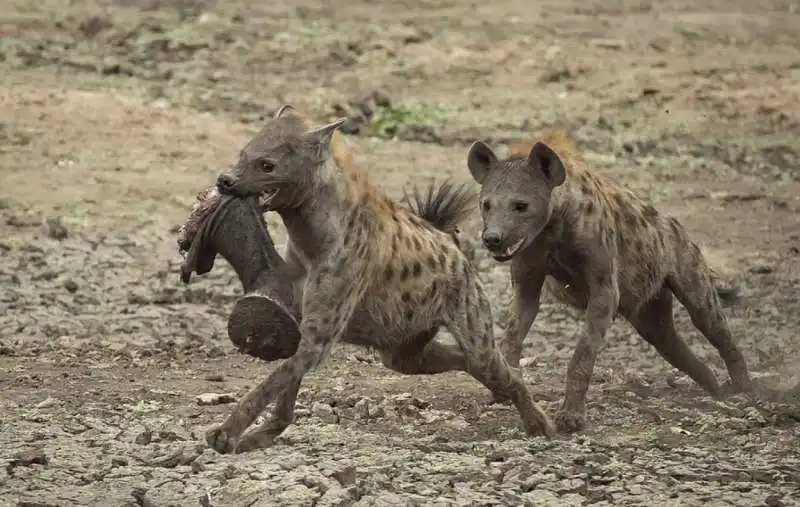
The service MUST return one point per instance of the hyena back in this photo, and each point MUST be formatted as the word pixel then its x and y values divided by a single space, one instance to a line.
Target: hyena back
pixel 600 248
pixel 371 263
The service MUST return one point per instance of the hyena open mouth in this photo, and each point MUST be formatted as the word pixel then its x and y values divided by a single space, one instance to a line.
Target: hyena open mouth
pixel 509 252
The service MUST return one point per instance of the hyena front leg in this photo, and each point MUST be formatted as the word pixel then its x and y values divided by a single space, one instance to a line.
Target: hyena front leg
pixel 470 323
pixel 526 281
pixel 264 435
pixel 330 297
pixel 603 303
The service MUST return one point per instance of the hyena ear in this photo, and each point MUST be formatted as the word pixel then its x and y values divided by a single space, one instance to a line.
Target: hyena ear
pixel 284 109
pixel 480 160
pixel 543 158
pixel 321 137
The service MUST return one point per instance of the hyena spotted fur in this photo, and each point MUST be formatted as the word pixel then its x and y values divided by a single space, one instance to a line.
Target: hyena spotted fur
pixel 600 248
pixel 371 264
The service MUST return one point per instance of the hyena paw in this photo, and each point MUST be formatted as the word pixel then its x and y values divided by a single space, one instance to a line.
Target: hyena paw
pixel 218 439
pixel 571 421
pixel 258 438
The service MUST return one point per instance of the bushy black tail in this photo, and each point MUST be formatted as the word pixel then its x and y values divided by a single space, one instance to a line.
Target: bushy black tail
pixel 444 206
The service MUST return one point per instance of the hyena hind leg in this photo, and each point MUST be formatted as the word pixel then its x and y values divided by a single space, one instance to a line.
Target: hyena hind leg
pixel 472 327
pixel 654 323
pixel 693 286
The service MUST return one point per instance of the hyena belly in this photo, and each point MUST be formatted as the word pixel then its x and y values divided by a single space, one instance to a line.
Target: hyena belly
pixel 365 330
pixel 645 261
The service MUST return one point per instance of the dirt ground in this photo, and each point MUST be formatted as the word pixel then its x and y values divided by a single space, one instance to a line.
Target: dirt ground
pixel 113 114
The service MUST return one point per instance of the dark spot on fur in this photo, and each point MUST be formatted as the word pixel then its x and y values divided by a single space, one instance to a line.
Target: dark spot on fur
pixel 432 261
pixel 409 315
pixel 588 207
pixel 404 274
pixel 619 215
pixel 388 274
pixel 454 265
pixel 443 258
pixel 417 269
pixel 650 212
pixel 434 287
pixel 406 297
pixel 675 226
pixel 631 219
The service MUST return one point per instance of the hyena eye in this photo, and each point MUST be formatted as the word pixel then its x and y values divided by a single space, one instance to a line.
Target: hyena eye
pixel 486 206
pixel 520 206
pixel 266 165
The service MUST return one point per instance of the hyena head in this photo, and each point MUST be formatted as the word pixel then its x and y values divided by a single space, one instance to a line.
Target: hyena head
pixel 283 163
pixel 515 195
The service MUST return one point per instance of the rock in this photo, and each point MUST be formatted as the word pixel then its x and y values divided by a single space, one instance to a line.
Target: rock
pixel 324 412
pixel 56 228
pixel 144 438
pixel 345 475
pixel 207 399
pixel 71 285
pixel 26 458
pixel 46 403
pixel 541 498
pixel 774 501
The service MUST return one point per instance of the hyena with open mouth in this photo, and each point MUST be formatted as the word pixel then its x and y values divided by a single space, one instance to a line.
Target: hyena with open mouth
pixel 601 248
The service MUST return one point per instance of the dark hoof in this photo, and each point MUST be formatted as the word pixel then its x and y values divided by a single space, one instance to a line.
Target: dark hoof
pixel 262 327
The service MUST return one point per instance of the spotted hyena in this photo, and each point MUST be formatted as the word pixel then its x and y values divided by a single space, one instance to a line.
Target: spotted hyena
pixel 368 260
pixel 600 248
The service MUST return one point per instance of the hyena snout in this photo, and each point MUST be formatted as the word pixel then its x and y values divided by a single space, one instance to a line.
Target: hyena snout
pixel 225 182
pixel 492 240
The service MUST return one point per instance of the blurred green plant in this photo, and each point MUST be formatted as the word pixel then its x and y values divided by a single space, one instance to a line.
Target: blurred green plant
pixel 388 121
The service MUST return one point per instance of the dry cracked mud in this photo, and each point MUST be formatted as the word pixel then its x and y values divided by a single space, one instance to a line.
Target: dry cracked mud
pixel 114 113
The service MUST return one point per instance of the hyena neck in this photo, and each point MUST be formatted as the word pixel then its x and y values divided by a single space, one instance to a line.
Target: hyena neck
pixel 317 223
pixel 563 202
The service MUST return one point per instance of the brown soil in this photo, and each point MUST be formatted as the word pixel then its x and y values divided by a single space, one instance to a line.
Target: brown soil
pixel 114 113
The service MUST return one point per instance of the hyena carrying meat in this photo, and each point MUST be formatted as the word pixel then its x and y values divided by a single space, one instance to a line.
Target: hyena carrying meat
pixel 367 260
pixel 602 249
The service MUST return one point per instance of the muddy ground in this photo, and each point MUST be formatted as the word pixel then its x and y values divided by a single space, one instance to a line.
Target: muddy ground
pixel 115 113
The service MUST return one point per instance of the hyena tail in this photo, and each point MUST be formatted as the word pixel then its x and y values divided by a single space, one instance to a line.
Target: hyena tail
pixel 444 206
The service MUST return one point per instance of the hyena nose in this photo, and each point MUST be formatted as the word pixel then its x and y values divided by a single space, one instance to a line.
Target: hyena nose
pixel 225 182
pixel 492 240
